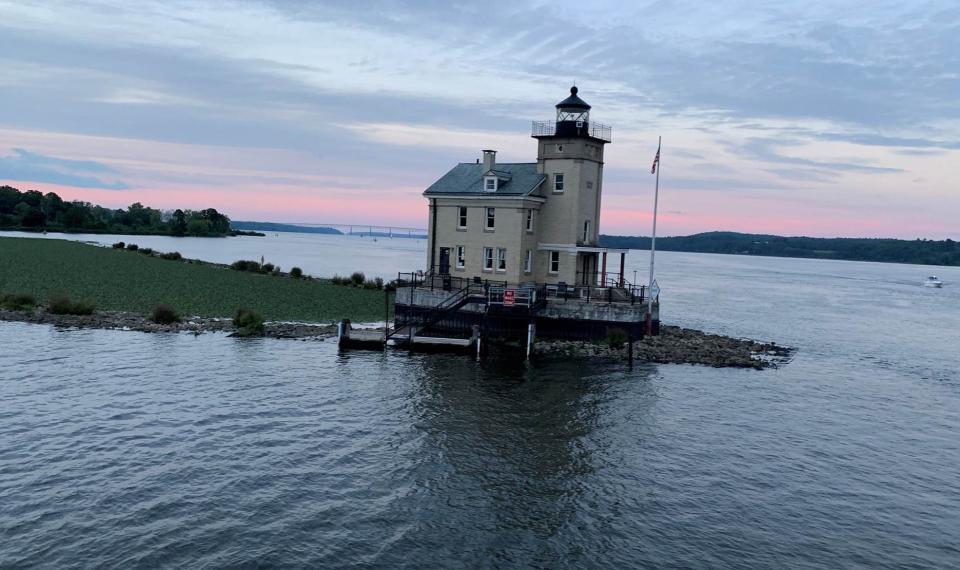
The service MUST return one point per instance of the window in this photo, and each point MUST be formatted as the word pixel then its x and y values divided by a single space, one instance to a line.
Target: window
pixel 461 257
pixel 462 217
pixel 487 258
pixel 554 262
pixel 501 259
pixel 529 220
pixel 490 183
pixel 559 148
pixel 490 217
pixel 558 182
pixel 586 231
pixel 528 262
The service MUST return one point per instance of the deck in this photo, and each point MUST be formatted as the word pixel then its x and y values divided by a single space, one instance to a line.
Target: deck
pixel 446 313
pixel 404 336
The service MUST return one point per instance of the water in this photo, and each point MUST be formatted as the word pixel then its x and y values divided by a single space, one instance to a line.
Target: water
pixel 316 254
pixel 130 450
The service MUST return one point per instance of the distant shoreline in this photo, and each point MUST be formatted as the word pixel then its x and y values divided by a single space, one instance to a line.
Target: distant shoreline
pixel 881 250
pixel 324 230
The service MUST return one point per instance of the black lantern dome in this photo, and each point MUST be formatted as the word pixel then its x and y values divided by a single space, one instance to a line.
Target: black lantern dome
pixel 573 101
pixel 573 116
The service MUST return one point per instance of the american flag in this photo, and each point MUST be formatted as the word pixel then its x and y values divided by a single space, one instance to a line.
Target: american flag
pixel 656 161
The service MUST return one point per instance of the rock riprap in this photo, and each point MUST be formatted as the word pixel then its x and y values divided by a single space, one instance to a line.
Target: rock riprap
pixel 132 321
pixel 675 345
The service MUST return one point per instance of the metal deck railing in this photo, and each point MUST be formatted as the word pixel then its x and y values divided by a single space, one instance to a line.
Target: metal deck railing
pixel 549 128
pixel 525 295
pixel 610 288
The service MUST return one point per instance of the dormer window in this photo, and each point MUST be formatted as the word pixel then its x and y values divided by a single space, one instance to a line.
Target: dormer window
pixel 490 183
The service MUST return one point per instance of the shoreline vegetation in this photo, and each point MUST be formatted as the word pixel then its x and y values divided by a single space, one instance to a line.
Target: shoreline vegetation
pixel 34 211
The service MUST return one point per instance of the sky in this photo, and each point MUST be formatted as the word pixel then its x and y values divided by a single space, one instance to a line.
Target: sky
pixel 820 118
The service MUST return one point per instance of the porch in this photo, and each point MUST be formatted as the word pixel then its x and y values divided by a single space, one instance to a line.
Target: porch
pixel 591 265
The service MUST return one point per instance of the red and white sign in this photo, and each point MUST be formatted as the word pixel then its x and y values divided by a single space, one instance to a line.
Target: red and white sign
pixel 509 297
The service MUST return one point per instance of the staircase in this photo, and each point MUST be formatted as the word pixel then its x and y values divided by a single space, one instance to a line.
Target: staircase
pixel 470 293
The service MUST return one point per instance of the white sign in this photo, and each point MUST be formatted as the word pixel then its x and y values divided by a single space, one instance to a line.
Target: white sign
pixel 654 290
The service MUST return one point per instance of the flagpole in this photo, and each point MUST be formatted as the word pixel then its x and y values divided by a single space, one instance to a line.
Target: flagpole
pixel 653 242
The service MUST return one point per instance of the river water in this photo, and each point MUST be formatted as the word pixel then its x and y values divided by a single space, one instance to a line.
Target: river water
pixel 316 254
pixel 121 449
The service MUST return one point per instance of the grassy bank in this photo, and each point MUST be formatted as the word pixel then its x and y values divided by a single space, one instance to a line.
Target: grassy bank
pixel 128 281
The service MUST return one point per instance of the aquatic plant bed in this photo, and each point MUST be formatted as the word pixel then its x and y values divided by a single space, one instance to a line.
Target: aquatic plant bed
pixel 675 345
pixel 120 280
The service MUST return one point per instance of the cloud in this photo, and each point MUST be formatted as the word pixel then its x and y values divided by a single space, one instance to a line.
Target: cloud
pixel 27 166
pixel 400 91
pixel 873 139
pixel 763 150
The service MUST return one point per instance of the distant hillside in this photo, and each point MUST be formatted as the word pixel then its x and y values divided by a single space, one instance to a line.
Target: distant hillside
pixel 927 252
pixel 274 227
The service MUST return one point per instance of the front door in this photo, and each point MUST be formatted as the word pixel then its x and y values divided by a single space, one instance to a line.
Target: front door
pixel 444 261
pixel 588 269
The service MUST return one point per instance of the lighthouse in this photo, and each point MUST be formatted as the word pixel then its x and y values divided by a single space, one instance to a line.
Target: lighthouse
pixel 527 222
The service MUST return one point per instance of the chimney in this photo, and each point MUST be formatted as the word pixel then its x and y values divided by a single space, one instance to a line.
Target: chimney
pixel 489 160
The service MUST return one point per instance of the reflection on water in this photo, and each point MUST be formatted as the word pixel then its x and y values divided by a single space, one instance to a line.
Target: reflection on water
pixel 125 449
pixel 505 423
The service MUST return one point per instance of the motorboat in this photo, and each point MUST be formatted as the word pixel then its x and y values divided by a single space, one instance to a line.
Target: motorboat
pixel 933 281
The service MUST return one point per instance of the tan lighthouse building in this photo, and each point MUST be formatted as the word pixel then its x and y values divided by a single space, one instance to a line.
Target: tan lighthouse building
pixel 528 222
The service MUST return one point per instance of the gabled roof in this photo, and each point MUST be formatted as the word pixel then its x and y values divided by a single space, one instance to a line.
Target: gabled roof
pixel 516 179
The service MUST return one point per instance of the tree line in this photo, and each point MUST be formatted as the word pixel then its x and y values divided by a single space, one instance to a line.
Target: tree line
pixel 34 211
pixel 919 251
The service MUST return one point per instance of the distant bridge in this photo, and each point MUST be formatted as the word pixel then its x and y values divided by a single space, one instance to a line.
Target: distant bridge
pixel 367 229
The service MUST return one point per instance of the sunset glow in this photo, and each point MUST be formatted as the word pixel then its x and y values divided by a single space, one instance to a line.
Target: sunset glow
pixel 340 115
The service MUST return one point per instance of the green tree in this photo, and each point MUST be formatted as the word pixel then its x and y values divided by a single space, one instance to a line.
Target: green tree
pixel 28 216
pixel 198 227
pixel 178 224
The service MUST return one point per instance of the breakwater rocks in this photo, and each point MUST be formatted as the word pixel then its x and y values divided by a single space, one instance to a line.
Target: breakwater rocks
pixel 674 345
pixel 122 320
pixel 677 345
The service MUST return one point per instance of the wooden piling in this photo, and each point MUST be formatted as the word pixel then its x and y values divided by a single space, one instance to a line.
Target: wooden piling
pixel 531 335
pixel 343 332
pixel 386 314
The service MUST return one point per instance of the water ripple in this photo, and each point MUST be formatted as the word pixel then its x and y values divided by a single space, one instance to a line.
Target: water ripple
pixel 143 451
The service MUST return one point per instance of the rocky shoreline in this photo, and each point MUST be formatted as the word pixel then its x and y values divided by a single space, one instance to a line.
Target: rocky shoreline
pixel 674 345
pixel 121 320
